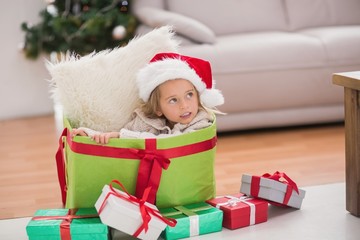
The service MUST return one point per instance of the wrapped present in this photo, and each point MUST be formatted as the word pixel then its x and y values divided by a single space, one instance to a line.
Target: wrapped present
pixel 192 220
pixel 131 215
pixel 277 188
pixel 119 235
pixel 240 210
pixel 64 224
pixel 179 169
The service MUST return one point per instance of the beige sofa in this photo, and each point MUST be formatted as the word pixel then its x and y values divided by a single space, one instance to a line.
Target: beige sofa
pixel 272 59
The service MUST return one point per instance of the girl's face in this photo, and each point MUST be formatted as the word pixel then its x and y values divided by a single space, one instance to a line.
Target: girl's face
pixel 178 101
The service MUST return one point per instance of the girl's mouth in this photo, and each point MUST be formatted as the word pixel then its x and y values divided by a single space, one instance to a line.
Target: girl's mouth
pixel 186 115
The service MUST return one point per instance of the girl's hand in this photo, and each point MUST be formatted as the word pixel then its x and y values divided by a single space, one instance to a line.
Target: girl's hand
pixel 103 138
pixel 78 131
pixel 98 137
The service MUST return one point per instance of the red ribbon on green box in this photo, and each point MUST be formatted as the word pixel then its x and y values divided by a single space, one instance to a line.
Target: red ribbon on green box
pixel 153 160
pixel 65 224
pixel 150 169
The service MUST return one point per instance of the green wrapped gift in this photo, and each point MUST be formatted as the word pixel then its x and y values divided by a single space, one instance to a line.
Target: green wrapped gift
pixel 192 220
pixel 180 169
pixel 59 224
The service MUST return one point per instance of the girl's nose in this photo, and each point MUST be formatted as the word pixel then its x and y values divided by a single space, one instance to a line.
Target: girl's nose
pixel 183 105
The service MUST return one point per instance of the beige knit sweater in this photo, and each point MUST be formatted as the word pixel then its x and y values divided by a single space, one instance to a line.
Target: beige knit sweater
pixel 143 127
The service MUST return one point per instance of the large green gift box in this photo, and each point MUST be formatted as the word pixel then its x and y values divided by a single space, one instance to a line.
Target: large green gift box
pixel 60 224
pixel 192 220
pixel 180 169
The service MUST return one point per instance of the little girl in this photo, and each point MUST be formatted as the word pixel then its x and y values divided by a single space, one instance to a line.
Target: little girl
pixel 177 97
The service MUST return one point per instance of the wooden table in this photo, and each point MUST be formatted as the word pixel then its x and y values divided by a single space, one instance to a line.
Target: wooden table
pixel 351 83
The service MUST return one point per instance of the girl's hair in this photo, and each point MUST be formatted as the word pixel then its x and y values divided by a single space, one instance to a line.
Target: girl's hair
pixel 153 104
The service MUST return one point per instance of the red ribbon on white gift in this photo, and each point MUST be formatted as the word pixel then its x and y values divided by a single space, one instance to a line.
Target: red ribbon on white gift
pixel 145 210
pixel 277 176
pixel 233 201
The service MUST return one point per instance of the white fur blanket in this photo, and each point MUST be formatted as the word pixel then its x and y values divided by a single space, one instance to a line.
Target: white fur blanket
pixel 99 91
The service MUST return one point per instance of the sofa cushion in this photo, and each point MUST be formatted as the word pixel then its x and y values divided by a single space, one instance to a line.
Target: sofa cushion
pixel 185 26
pixel 345 12
pixel 137 4
pixel 318 13
pixel 261 51
pixel 282 89
pixel 230 17
pixel 341 43
pixel 142 29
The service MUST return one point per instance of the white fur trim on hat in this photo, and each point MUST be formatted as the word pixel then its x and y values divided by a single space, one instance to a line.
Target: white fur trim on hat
pixel 212 98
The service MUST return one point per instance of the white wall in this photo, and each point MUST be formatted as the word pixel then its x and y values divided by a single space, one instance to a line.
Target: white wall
pixel 24 88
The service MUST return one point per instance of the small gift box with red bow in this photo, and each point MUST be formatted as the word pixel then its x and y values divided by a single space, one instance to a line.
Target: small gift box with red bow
pixel 65 224
pixel 128 214
pixel 240 210
pixel 277 188
pixel 192 220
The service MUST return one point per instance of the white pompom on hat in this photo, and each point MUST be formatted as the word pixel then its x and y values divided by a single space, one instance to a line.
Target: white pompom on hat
pixel 170 66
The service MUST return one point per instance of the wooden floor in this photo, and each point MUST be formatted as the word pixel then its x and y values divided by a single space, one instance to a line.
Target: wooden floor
pixel 309 155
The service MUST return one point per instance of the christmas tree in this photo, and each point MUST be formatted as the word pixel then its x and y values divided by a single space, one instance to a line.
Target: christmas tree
pixel 80 26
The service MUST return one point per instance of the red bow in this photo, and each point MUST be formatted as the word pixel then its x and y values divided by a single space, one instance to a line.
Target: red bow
pixel 277 176
pixel 145 210
pixel 150 170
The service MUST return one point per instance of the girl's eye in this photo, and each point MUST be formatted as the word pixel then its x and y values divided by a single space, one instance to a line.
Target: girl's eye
pixel 190 94
pixel 172 100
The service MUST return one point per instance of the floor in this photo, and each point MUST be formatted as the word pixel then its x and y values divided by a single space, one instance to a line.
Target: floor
pixel 322 216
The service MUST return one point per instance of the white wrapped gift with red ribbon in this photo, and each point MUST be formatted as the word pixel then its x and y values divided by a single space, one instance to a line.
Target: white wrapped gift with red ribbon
pixel 277 188
pixel 129 214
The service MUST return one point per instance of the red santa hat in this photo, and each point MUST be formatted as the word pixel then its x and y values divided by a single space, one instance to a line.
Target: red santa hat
pixel 169 66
